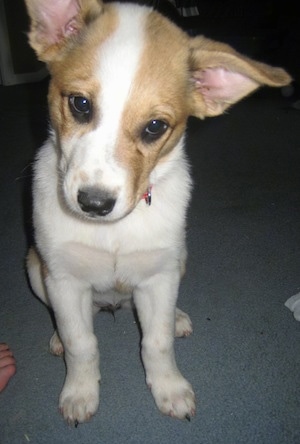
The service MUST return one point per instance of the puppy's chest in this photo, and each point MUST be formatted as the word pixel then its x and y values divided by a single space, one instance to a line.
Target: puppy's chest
pixel 112 270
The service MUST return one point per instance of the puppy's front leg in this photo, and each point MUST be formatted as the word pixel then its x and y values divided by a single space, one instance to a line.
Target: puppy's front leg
pixel 155 301
pixel 72 305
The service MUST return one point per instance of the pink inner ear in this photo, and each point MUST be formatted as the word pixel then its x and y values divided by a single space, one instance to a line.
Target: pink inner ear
pixel 58 18
pixel 221 84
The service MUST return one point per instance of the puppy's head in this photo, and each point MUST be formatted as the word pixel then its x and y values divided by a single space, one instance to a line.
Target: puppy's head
pixel 123 82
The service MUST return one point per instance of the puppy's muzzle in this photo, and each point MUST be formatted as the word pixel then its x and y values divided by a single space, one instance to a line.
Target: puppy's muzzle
pixel 95 201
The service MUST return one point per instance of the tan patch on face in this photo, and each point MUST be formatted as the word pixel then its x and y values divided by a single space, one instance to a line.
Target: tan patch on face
pixel 75 75
pixel 160 91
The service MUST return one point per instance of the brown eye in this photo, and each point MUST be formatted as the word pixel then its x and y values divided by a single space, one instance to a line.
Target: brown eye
pixel 81 108
pixel 154 130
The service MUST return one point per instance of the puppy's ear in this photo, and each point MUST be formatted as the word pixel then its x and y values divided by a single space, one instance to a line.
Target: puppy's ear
pixel 220 76
pixel 55 22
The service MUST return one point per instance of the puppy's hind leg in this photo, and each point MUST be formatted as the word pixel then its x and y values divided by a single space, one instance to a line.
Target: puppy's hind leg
pixel 183 324
pixel 37 272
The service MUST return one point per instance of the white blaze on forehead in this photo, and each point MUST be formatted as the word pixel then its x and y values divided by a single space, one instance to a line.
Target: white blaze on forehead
pixel 119 61
pixel 94 154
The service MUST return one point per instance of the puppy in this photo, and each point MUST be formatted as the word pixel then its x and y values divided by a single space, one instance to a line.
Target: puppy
pixel 112 184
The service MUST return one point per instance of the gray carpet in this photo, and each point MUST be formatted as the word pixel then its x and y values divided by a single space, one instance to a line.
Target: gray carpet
pixel 244 255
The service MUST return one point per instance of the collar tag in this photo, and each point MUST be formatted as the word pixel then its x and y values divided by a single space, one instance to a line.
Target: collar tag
pixel 148 196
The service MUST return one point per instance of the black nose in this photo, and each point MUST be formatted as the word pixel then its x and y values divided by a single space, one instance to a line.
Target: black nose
pixel 95 201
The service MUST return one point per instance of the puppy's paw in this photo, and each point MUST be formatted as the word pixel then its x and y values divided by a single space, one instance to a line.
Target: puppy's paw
pixel 79 402
pixel 55 345
pixel 174 396
pixel 183 324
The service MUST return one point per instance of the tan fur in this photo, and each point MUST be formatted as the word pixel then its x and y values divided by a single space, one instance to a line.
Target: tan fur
pixel 209 54
pixel 83 176
pixel 69 77
pixel 122 287
pixel 86 12
pixel 153 97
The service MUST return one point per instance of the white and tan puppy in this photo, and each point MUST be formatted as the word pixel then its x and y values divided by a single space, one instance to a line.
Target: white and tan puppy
pixel 123 82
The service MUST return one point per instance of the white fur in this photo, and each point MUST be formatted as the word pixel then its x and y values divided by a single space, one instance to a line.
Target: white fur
pixel 143 251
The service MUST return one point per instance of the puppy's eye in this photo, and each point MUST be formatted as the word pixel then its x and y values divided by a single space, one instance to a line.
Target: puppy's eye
pixel 154 130
pixel 81 108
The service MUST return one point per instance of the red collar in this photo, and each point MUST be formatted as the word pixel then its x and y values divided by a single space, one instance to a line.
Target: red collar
pixel 148 195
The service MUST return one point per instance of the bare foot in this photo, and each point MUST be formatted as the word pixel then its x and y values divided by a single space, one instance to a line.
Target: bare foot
pixel 7 365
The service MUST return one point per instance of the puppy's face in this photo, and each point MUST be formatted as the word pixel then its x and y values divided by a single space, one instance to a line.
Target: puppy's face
pixel 124 81
pixel 117 111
